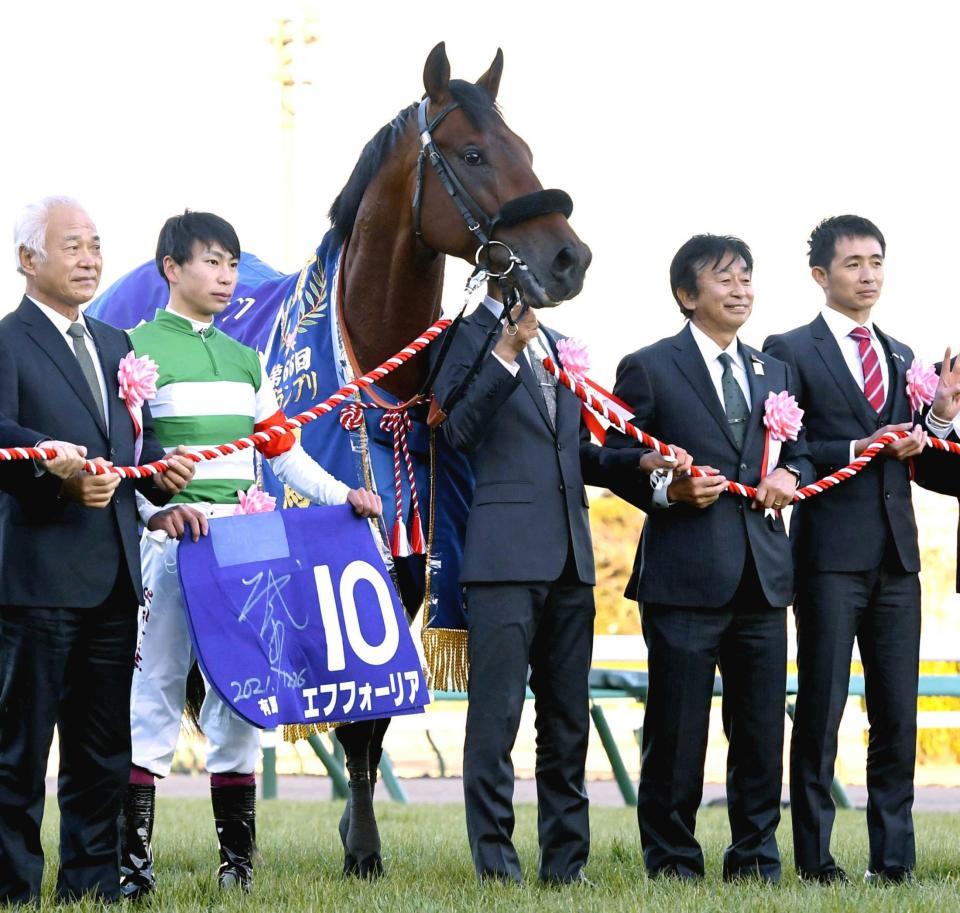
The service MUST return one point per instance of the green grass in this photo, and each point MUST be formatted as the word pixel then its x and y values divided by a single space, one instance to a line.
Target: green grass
pixel 429 869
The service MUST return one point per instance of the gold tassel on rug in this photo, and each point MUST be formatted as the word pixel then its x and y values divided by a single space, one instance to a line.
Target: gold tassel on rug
pixel 445 651
pixel 297 731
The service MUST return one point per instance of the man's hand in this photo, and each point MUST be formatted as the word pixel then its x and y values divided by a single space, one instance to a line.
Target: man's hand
pixel 364 502
pixel 946 401
pixel 175 521
pixel 652 460
pixel 775 490
pixel 509 347
pixel 178 476
pixel 90 490
pixel 699 491
pixel 68 461
pixel 901 449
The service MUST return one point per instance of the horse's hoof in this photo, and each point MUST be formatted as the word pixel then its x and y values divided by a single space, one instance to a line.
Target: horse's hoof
pixel 370 867
pixel 350 866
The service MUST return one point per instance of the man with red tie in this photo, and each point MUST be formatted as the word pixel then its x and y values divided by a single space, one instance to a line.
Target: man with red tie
pixel 857 559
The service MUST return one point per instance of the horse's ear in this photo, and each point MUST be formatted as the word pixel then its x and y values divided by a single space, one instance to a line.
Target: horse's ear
pixel 436 75
pixel 491 79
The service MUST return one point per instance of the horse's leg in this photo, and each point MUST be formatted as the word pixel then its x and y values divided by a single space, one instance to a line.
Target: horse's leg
pixel 376 749
pixel 358 825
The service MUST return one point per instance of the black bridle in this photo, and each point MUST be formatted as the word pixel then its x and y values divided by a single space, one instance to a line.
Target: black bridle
pixel 482 227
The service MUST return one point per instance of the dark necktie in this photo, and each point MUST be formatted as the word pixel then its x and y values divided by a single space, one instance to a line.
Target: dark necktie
pixel 548 383
pixel 76 332
pixel 872 376
pixel 734 402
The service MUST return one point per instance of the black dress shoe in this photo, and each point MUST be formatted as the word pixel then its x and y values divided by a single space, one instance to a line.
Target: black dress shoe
pixel 752 875
pixel 894 875
pixel 675 870
pixel 834 875
pixel 579 880
pixel 499 878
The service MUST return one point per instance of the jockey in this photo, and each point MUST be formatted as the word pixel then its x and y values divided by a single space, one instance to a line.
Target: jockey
pixel 211 389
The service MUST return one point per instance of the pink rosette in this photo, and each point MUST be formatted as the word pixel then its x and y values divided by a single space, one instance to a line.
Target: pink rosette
pixel 782 416
pixel 922 383
pixel 138 379
pixel 254 501
pixel 574 358
pixel 138 383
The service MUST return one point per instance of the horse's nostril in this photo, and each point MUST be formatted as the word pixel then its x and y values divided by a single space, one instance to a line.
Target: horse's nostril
pixel 564 263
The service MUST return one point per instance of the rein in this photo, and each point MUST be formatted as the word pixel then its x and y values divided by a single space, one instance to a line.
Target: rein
pixel 480 225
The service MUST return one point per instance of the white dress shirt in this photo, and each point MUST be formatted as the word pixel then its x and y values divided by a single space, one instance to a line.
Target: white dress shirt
pixel 711 352
pixel 840 326
pixel 62 324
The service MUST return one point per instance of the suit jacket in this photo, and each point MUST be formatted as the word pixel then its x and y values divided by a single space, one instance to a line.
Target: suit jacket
pixel 55 552
pixel 529 499
pixel 689 556
pixel 849 528
pixel 14 435
pixel 940 471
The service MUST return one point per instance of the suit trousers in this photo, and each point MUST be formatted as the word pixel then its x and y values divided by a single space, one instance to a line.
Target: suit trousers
pixel 747 639
pixel 881 609
pixel 547 627
pixel 71 669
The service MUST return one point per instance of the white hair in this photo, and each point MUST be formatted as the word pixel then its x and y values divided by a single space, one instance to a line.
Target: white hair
pixel 30 229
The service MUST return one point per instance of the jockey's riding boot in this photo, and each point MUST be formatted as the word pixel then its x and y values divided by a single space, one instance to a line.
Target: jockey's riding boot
pixel 363 837
pixel 349 860
pixel 234 813
pixel 137 877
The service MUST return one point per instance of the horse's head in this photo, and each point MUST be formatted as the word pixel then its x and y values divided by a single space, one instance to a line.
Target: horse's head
pixel 485 189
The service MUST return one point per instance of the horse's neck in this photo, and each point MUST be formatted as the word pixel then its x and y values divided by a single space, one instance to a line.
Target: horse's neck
pixel 392 287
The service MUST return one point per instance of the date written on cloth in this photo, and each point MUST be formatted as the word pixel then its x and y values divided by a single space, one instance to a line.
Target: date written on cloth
pixel 294 619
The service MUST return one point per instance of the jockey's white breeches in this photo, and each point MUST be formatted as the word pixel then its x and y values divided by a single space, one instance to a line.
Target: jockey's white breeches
pixel 159 681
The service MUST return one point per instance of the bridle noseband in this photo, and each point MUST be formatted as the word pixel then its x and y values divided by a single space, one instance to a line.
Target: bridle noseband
pixel 480 225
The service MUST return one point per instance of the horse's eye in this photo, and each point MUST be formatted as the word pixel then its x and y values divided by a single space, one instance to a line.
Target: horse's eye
pixel 473 157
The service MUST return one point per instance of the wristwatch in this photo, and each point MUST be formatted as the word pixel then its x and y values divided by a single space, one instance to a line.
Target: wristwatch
pixel 794 472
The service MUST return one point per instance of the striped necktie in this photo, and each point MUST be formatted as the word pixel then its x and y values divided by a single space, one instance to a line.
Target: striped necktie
pixel 872 376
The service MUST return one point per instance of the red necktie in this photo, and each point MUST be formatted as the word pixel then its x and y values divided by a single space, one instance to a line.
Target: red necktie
pixel 872 378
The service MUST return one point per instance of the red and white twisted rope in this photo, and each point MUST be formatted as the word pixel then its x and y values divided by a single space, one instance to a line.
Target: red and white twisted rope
pixel 748 491
pixel 258 437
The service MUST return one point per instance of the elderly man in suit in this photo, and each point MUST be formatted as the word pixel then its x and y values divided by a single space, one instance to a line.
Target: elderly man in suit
pixel 713 573
pixel 856 551
pixel 70 581
pixel 528 579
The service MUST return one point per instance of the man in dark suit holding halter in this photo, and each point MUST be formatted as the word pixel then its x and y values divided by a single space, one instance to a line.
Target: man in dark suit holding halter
pixel 856 551
pixel 714 573
pixel 70 580
pixel 528 579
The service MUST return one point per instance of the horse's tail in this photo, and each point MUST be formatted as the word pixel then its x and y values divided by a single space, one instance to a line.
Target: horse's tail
pixel 196 692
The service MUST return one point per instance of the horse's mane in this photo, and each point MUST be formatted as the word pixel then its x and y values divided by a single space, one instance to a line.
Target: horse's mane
pixel 476 104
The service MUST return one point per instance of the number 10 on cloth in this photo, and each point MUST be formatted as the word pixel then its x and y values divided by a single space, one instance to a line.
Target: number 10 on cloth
pixel 295 620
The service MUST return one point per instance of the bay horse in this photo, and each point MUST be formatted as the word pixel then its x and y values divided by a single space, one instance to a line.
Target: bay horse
pixel 423 187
